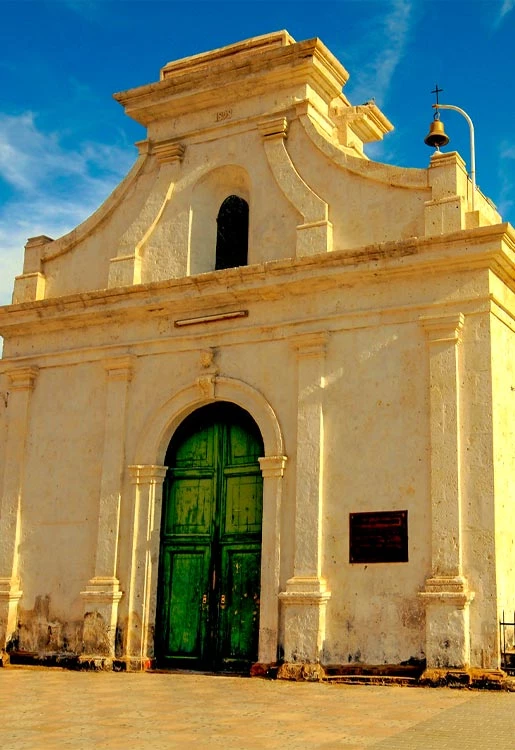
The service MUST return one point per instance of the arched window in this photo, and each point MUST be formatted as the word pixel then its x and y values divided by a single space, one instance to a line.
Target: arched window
pixel 232 236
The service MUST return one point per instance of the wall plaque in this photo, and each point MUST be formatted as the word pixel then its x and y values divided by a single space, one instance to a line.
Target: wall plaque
pixel 378 537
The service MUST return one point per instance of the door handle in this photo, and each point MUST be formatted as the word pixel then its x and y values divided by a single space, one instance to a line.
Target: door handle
pixel 204 600
pixel 223 601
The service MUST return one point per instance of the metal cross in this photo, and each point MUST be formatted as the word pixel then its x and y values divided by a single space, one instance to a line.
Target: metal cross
pixel 436 91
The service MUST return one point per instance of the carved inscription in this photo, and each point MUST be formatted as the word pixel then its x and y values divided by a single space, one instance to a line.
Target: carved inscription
pixel 378 537
pixel 223 114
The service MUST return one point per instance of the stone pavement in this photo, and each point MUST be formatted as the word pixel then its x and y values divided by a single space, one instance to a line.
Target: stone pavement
pixel 53 709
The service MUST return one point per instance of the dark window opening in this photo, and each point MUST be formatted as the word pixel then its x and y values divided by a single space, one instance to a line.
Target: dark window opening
pixel 232 236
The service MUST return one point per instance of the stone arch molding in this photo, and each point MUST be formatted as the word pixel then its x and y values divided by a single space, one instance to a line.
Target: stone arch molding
pixel 157 433
pixel 147 474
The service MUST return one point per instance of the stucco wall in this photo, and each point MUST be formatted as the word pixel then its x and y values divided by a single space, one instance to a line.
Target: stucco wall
pixel 376 452
pixel 503 340
pixel 60 503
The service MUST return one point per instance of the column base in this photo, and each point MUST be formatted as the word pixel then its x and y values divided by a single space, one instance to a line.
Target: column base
pixel 10 596
pixel 447 600
pixel 138 663
pixel 303 672
pixel 491 679
pixel 304 603
pixel 101 598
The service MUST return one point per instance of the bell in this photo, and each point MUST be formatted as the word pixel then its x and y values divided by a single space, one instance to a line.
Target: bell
pixel 437 136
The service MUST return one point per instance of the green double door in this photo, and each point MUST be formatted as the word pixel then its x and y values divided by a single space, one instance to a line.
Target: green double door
pixel 210 558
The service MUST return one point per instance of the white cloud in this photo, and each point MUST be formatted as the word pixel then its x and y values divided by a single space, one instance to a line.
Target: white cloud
pixel 506 7
pixel 52 189
pixel 383 47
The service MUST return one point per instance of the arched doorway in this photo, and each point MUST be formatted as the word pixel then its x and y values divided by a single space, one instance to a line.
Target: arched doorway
pixel 210 547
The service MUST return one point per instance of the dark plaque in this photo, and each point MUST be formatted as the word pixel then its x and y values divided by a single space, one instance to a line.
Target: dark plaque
pixel 378 537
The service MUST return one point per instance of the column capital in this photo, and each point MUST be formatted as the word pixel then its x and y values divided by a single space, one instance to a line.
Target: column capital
pixel 169 151
pixel 276 127
pixel 272 466
pixel 312 345
pixel 147 473
pixel 120 368
pixel 440 328
pixel 22 378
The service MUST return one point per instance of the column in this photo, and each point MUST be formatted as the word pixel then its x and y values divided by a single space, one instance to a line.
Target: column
pixel 306 597
pixel 147 482
pixel 446 593
pixel 272 469
pixel 102 594
pixel 21 384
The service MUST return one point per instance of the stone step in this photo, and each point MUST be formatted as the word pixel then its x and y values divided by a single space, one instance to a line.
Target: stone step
pixel 361 679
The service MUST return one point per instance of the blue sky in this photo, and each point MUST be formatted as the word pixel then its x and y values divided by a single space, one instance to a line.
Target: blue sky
pixel 65 143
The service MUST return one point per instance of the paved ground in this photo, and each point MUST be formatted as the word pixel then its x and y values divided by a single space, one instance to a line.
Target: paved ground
pixel 54 709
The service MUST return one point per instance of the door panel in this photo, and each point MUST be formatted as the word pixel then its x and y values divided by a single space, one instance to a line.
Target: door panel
pixel 239 627
pixel 191 506
pixel 243 504
pixel 185 581
pixel 209 577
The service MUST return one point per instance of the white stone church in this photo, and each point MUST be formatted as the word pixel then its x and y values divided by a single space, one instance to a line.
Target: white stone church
pixel 259 408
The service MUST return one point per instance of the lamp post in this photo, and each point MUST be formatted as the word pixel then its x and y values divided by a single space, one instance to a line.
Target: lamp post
pixel 472 147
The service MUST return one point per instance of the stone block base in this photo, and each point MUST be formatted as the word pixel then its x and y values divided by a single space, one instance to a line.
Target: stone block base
pixel 138 664
pixel 491 679
pixel 301 672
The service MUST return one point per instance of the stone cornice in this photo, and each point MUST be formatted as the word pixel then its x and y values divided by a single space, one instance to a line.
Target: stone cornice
pixel 201 81
pixel 482 248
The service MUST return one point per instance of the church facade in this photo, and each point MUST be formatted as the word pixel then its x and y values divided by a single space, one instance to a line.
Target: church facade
pixel 260 406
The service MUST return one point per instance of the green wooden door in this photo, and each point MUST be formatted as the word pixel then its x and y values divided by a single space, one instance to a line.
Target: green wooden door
pixel 210 560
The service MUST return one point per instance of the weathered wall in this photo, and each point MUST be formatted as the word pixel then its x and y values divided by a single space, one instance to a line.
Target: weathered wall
pixel 503 387
pixel 60 503
pixel 376 452
pixel 376 459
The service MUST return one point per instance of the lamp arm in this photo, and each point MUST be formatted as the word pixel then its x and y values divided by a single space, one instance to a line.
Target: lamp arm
pixel 472 147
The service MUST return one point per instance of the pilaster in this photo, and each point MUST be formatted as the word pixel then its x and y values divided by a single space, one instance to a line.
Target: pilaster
pixel 21 384
pixel 446 593
pixel 272 469
pixel 147 484
pixel 30 285
pixel 446 210
pixel 306 595
pixel 102 594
